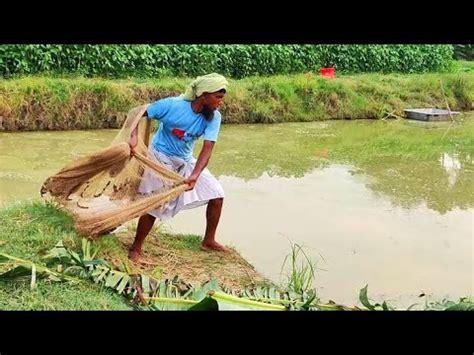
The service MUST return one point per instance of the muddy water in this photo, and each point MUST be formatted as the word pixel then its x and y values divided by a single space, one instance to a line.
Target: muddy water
pixel 402 226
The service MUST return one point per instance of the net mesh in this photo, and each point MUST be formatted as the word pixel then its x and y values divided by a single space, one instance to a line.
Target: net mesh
pixel 101 190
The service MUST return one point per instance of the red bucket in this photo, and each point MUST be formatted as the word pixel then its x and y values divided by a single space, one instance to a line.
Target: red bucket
pixel 327 72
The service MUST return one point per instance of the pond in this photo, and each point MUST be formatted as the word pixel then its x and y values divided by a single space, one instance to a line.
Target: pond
pixel 403 224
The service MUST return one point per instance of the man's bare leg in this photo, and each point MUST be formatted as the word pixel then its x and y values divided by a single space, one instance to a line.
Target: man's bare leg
pixel 144 226
pixel 213 214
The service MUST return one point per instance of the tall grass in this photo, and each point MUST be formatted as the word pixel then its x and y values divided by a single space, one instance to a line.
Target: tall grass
pixel 45 103
pixel 301 270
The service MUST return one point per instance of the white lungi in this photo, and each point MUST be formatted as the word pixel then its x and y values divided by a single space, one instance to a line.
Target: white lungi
pixel 206 188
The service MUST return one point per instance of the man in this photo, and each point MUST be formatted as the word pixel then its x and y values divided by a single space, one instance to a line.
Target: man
pixel 183 120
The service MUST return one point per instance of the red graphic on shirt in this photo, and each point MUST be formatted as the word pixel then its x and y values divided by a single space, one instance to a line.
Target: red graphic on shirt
pixel 178 133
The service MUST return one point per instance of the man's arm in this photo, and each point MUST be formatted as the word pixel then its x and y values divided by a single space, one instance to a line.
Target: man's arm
pixel 201 163
pixel 134 135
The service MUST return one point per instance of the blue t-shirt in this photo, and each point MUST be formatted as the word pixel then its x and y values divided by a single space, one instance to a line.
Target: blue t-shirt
pixel 180 127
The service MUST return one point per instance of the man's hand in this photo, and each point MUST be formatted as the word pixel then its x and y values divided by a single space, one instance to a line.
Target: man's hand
pixel 191 181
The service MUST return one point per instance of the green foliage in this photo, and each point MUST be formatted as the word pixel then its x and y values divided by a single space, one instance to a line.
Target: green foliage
pixel 146 291
pixel 235 61
pixel 364 299
pixel 463 304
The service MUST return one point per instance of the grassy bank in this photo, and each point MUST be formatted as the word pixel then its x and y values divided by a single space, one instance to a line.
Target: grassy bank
pixel 45 103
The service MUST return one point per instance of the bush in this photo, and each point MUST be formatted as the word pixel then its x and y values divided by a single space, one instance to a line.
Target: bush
pixel 235 61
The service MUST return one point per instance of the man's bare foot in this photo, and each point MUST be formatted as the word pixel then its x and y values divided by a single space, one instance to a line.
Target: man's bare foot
pixel 208 246
pixel 134 255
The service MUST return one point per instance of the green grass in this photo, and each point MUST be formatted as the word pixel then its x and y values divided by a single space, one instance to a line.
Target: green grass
pixel 188 242
pixel 28 231
pixel 59 296
pixel 462 66
pixel 24 233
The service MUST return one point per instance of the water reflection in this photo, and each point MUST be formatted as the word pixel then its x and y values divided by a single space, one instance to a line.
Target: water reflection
pixel 452 165
pixel 248 152
pixel 363 237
